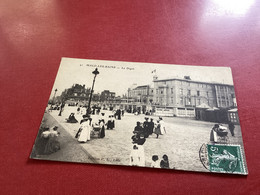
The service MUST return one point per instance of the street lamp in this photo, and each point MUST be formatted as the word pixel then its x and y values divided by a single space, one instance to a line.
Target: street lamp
pixel 95 72
pixel 53 97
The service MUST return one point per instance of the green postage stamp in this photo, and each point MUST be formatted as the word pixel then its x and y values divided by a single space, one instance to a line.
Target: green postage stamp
pixel 225 159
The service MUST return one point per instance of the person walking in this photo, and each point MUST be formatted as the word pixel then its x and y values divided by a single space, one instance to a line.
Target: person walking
pixel 138 128
pixel 162 124
pixel 150 127
pixel 102 125
pixel 231 127
pixel 213 133
pixel 84 130
pixel 110 122
pixel 157 129
pixel 146 127
pixel 119 114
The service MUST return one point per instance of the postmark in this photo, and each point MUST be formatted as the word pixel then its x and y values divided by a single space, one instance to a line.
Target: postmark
pixel 203 154
pixel 222 158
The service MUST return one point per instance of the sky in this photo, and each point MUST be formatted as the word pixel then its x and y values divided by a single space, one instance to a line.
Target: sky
pixel 117 76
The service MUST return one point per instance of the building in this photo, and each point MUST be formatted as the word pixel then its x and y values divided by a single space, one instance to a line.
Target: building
pixel 139 99
pixel 77 93
pixel 180 97
pixel 107 96
pixel 142 94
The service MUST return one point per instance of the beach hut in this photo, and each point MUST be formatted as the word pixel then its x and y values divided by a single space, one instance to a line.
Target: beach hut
pixel 211 114
pixel 233 116
pixel 201 111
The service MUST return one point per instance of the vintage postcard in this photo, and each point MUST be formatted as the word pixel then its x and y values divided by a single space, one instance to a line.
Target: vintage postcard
pixel 142 114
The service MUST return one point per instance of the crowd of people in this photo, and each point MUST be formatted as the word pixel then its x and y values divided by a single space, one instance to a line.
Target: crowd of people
pixel 95 124
pixel 88 128
pixel 99 122
pixel 141 132
pixel 147 128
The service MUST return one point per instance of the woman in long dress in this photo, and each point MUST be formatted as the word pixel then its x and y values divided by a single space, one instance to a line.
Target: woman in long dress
pixel 52 145
pixel 85 127
pixel 102 126
pixel 213 133
pixel 157 129
pixel 137 157
pixel 162 124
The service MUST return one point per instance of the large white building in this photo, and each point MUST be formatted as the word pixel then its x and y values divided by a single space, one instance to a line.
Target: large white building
pixel 180 97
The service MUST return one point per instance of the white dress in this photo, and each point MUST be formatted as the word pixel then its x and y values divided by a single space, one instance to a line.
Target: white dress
pixel 85 133
pixel 162 126
pixel 155 164
pixel 137 157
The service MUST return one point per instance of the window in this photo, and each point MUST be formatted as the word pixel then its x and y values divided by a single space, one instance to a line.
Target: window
pixel 188 92
pixel 223 102
pixel 181 111
pixel 181 91
pixel 157 90
pixel 198 93
pixel 162 91
pixel 172 90
pixel 181 100
pixel 190 112
pixel 233 117
pixel 172 100
pixel 189 101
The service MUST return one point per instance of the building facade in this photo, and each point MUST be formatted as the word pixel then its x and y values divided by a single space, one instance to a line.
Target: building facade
pixel 180 97
pixel 142 94
pixel 78 93
pixel 139 99
pixel 107 96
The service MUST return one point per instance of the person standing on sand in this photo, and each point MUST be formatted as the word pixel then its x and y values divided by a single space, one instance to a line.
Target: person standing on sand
pixel 231 127
pixel 162 124
pixel 157 129
pixel 155 163
pixel 150 127
pixel 85 127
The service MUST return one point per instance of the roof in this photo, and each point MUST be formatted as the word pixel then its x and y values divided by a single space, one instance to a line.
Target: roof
pixel 233 110
pixel 203 105
pixel 212 109
pixel 141 86
pixel 192 81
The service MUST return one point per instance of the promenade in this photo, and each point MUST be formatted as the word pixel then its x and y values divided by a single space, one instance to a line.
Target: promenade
pixel 181 143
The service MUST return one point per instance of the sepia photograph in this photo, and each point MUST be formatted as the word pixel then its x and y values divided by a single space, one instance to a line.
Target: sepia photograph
pixel 142 114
